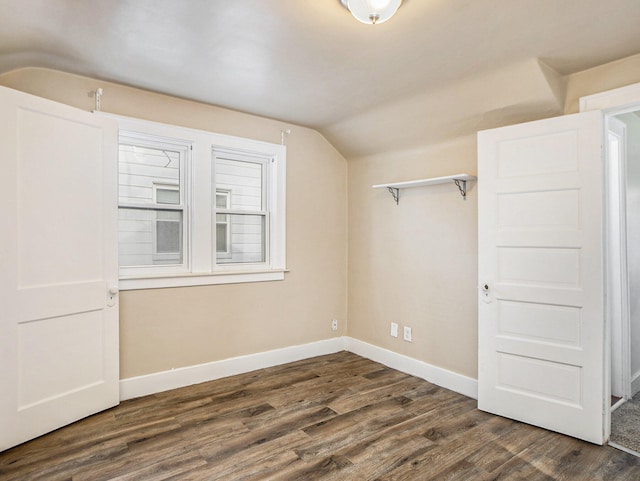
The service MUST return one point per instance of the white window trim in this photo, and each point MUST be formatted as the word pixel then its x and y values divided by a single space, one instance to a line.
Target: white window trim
pixel 198 248
pixel 187 280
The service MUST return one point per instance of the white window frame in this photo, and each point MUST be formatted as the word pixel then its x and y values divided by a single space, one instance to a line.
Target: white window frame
pixel 153 140
pixel 199 197
pixel 266 201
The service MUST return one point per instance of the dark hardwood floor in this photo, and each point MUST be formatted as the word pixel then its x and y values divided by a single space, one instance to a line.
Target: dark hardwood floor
pixel 336 417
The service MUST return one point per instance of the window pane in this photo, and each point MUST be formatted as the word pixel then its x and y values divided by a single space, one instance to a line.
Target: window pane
pixel 167 196
pixel 247 240
pixel 148 237
pixel 221 237
pixel 242 181
pixel 168 232
pixel 222 200
pixel 141 167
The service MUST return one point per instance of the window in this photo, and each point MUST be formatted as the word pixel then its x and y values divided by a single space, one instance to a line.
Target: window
pixel 242 180
pixel 198 208
pixel 151 204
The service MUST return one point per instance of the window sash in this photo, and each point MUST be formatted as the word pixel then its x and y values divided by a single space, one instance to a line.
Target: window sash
pixel 234 160
pixel 243 254
pixel 162 263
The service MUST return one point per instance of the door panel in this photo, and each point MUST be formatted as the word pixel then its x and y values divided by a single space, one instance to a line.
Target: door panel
pixel 78 336
pixel 54 219
pixel 541 322
pixel 58 250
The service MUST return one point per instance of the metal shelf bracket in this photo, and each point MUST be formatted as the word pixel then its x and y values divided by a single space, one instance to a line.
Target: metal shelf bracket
pixel 395 192
pixel 462 187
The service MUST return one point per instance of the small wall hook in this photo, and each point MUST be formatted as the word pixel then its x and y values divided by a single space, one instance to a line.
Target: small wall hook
pixel 284 133
pixel 98 99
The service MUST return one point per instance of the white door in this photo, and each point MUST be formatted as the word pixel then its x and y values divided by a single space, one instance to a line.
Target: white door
pixel 541 306
pixel 58 258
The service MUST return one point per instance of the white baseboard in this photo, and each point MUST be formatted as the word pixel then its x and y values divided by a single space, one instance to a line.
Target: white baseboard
pixel 435 375
pixel 163 381
pixel 185 376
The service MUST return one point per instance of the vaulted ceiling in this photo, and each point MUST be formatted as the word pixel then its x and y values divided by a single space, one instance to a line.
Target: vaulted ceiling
pixel 438 69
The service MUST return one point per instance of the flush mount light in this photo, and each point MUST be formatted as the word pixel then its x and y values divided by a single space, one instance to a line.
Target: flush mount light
pixel 372 11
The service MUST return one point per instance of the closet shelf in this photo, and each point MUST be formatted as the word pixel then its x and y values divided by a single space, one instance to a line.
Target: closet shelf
pixel 459 179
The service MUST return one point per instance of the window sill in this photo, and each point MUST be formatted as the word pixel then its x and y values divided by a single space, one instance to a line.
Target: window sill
pixel 188 280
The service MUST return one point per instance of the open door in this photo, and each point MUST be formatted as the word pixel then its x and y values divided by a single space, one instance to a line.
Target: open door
pixel 541 302
pixel 58 252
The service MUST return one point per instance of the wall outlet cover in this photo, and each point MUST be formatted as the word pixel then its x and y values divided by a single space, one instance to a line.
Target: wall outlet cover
pixel 394 329
pixel 407 334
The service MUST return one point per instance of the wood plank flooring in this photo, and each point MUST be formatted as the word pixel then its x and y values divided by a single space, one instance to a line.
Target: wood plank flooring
pixel 336 417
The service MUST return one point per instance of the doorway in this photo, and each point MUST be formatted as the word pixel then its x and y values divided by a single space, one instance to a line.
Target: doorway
pixel 623 146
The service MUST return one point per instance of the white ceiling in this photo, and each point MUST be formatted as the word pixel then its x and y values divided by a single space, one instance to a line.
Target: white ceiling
pixel 439 68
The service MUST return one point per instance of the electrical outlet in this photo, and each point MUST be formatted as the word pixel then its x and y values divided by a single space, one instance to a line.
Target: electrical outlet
pixel 407 334
pixel 334 325
pixel 394 329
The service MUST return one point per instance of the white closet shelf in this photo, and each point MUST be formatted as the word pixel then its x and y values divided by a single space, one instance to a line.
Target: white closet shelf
pixel 459 179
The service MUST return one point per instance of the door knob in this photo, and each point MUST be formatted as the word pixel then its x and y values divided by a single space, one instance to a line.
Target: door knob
pixel 112 292
pixel 485 293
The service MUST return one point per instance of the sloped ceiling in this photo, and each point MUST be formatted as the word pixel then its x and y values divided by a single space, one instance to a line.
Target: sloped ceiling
pixel 438 69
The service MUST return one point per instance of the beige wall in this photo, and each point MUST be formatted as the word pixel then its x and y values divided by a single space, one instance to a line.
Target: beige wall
pixel 415 263
pixel 605 77
pixel 170 328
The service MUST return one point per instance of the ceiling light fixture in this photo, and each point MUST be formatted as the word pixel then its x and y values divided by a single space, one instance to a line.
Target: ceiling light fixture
pixel 372 11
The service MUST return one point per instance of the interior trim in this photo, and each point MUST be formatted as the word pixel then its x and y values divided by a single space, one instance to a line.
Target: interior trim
pixel 436 375
pixel 134 387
